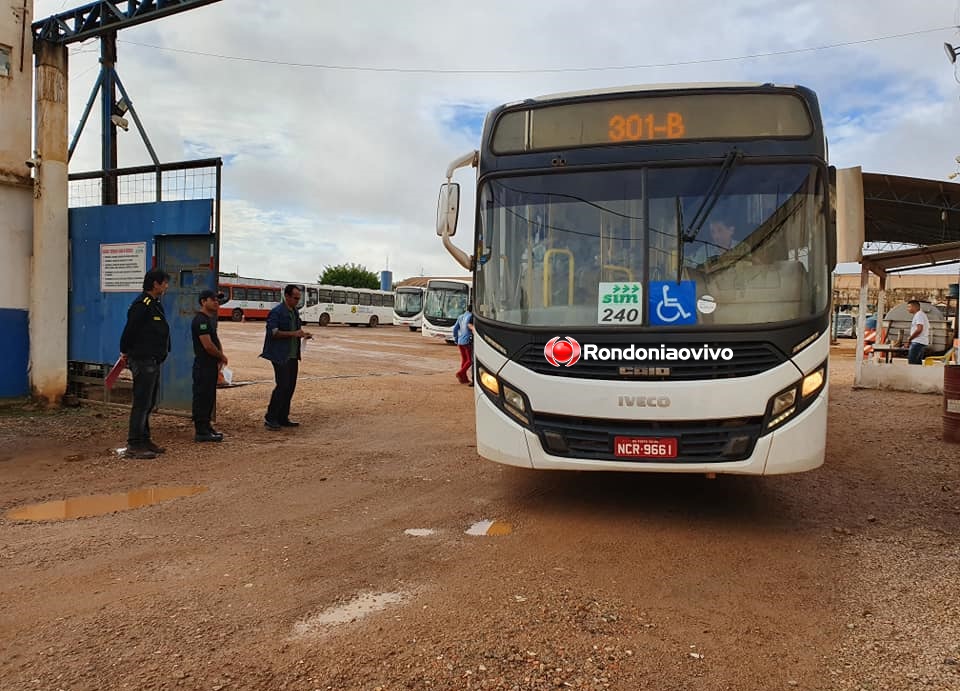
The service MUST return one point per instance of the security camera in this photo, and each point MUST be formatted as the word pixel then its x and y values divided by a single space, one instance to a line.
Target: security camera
pixel 120 122
pixel 35 161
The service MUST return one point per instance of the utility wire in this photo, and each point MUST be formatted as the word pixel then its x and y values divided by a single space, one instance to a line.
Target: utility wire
pixel 544 70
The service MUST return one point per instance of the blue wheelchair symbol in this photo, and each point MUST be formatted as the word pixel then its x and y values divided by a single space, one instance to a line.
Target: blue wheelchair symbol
pixel 673 303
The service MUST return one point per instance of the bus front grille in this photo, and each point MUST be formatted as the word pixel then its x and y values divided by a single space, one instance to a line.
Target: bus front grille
pixel 698 441
pixel 747 359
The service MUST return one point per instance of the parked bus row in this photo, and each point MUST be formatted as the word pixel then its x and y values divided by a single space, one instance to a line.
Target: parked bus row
pixel 253 298
pixel 432 304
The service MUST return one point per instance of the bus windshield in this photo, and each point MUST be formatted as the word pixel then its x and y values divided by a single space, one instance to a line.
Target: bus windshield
pixel 409 303
pixel 446 300
pixel 548 242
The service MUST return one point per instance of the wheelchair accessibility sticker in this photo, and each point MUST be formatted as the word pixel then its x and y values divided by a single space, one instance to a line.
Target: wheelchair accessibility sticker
pixel 620 303
pixel 673 303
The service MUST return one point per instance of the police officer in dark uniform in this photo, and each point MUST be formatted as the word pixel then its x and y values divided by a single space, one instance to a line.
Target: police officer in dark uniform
pixel 144 345
pixel 207 359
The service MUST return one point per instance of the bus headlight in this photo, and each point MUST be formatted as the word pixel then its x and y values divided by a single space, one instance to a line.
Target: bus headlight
pixel 514 403
pixel 488 381
pixel 813 382
pixel 789 402
pixel 507 398
pixel 783 402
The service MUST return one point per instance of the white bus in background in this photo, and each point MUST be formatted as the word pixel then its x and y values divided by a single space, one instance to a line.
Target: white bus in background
pixel 444 300
pixel 408 307
pixel 353 306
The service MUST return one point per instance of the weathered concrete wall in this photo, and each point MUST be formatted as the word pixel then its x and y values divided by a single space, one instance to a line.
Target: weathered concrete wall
pixel 899 376
pixel 16 193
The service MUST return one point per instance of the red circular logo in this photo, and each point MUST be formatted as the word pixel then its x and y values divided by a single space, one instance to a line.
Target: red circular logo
pixel 564 352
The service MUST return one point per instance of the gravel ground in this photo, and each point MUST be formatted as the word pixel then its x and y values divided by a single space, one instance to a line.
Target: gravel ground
pixel 337 555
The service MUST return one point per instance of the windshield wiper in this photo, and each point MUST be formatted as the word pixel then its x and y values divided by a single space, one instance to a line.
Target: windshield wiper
pixel 712 196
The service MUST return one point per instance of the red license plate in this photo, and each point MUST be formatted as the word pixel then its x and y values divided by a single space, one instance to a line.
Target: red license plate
pixel 645 447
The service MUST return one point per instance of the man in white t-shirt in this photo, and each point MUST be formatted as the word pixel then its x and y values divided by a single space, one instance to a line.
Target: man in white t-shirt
pixel 919 333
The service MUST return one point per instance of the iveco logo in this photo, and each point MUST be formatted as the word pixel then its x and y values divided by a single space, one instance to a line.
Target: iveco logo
pixel 643 401
pixel 644 371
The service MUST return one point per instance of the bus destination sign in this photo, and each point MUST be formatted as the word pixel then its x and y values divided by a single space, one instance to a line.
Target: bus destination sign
pixel 620 120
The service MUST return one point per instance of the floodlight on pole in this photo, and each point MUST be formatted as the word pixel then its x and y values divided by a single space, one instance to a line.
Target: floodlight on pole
pixel 951 53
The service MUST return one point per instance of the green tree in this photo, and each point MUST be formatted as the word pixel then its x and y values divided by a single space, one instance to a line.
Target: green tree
pixel 349 276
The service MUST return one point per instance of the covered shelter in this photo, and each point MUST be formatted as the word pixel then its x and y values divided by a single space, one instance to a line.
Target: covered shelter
pixel 918 222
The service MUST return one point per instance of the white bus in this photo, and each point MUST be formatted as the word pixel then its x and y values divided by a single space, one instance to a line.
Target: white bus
pixel 444 300
pixel 652 280
pixel 353 306
pixel 408 307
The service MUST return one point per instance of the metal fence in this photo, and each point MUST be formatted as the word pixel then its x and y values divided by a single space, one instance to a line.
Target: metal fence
pixel 200 179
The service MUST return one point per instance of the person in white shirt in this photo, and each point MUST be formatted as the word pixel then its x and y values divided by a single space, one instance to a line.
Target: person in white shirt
pixel 919 333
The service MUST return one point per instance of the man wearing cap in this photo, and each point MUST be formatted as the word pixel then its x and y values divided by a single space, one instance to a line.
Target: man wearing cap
pixel 208 357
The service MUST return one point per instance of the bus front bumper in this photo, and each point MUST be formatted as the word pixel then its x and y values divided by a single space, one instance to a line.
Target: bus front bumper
pixel 439 334
pixel 795 447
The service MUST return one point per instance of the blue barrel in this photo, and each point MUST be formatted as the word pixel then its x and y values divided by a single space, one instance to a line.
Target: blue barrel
pixel 386 280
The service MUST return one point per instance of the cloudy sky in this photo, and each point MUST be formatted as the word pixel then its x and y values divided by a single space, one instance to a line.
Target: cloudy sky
pixel 336 119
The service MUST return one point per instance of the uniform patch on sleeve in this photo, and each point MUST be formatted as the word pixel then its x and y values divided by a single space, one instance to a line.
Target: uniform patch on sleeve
pixel 203 327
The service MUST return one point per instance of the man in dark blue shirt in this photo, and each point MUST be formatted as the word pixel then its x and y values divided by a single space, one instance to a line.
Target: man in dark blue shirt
pixel 144 345
pixel 208 357
pixel 281 346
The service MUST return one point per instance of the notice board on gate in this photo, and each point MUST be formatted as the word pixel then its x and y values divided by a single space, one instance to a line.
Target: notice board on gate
pixel 122 266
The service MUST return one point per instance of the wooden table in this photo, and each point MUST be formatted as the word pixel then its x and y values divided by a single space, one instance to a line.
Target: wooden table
pixel 890 351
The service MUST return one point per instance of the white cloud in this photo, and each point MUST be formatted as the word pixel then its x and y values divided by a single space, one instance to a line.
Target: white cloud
pixel 329 166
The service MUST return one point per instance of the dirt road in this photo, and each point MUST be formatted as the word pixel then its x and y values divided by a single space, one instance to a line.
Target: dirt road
pixel 337 555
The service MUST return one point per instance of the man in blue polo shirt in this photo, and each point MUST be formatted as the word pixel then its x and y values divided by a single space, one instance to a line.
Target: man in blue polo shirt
pixel 281 346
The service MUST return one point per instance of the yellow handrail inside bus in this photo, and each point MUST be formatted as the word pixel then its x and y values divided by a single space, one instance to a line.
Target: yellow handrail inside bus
pixel 548 274
pixel 613 268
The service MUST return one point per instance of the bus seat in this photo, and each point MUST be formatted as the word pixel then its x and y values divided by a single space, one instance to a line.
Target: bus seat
pixel 751 294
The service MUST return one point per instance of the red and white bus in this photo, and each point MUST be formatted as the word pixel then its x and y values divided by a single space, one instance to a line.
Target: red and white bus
pixel 251 298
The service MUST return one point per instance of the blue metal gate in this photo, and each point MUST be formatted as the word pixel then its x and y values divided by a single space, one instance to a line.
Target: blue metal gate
pixel 174 236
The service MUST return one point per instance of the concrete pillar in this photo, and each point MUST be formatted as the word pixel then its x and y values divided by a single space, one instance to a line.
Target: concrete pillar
pixel 881 308
pixel 864 285
pixel 48 285
pixel 16 194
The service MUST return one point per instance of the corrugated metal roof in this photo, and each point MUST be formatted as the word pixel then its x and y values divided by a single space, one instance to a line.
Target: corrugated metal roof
pixel 912 211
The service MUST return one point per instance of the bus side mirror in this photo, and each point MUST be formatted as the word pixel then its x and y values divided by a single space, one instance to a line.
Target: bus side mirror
pixel 448 208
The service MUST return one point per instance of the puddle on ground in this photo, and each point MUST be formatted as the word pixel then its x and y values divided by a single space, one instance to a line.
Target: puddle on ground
pixel 359 607
pixel 492 528
pixel 100 504
pixel 419 532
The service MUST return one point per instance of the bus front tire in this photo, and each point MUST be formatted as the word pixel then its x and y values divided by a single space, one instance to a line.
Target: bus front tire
pixel 373 321
pixel 237 315
pixel 324 319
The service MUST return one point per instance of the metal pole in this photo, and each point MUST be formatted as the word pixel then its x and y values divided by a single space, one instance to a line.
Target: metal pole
pixel 86 114
pixel 108 96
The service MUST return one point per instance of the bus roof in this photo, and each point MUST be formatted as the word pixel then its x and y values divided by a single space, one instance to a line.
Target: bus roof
pixel 646 87
pixel 421 281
